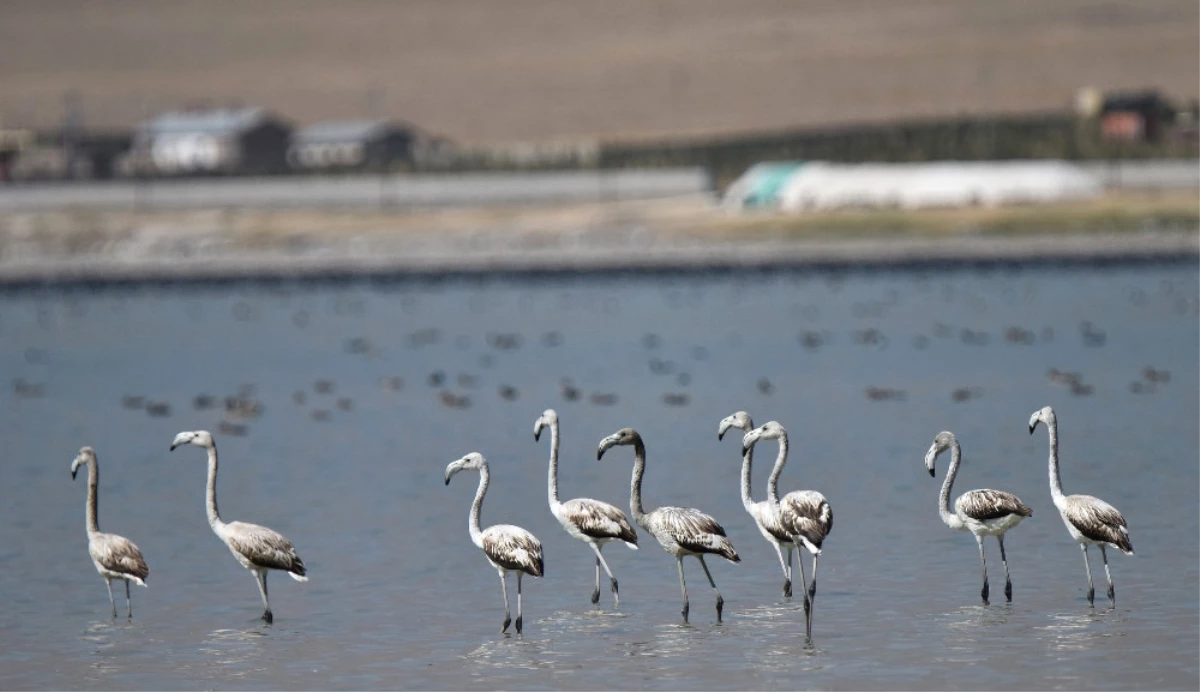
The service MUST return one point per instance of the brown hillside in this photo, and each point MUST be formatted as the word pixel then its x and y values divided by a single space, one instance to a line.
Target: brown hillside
pixel 536 69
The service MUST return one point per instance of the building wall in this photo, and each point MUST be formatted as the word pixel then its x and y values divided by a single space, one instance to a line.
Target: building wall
pixel 392 149
pixel 263 149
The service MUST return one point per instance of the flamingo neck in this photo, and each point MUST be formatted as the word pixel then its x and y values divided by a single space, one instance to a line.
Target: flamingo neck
pixel 1056 491
pixel 210 496
pixel 949 518
pixel 780 460
pixel 553 480
pixel 747 463
pixel 477 507
pixel 635 485
pixel 93 524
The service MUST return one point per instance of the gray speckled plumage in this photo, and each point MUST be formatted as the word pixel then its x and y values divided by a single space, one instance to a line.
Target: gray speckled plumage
pixel 982 505
pixel 807 514
pixel 514 549
pixel 1097 521
pixel 691 530
pixel 119 556
pixel 600 520
pixel 262 548
pixel 768 518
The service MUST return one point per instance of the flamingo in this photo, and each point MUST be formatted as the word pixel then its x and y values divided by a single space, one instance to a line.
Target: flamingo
pixel 982 512
pixel 590 521
pixel 115 557
pixel 508 548
pixel 1089 520
pixel 255 547
pixel 680 531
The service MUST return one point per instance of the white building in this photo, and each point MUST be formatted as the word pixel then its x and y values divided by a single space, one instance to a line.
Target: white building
pixel 820 185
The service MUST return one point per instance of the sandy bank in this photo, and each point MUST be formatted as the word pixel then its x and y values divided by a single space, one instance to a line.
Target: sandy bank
pixel 686 233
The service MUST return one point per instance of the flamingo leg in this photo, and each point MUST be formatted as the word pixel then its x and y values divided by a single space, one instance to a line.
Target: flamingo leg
pixel 683 586
pixel 1007 579
pixel 596 591
pixel 111 601
pixel 601 561
pixel 790 548
pixel 983 561
pixel 261 577
pixel 720 601
pixel 786 564
pixel 1091 592
pixel 128 599
pixel 807 595
pixel 812 585
pixel 519 602
pixel 812 592
pixel 504 590
pixel 1112 590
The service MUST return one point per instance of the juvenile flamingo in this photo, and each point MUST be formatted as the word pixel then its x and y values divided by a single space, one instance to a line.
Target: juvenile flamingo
pixel 508 548
pixel 680 531
pixel 1090 520
pixel 982 512
pixel 590 521
pixel 805 515
pixel 255 547
pixel 115 557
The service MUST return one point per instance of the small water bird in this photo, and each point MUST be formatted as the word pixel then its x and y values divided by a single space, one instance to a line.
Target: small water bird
pixel 115 557
pixel 255 547
pixel 590 521
pixel 982 512
pixel 680 531
pixel 804 515
pixel 1090 520
pixel 508 548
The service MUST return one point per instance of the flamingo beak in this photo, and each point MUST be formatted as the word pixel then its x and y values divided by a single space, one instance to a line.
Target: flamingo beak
pixel 604 445
pixel 930 457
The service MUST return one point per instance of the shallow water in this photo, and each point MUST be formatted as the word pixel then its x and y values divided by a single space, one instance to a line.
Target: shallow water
pixel 400 598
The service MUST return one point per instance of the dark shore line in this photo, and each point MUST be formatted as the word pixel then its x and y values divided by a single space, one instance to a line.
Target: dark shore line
pixel 715 258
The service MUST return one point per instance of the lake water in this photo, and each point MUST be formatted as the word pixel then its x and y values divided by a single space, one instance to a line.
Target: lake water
pixel 400 598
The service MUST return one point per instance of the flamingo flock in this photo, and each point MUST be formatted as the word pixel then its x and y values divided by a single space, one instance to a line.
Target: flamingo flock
pixel 799 521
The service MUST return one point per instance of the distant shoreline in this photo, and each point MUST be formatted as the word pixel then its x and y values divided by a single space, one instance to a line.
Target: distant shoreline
pixel 96 273
pixel 684 233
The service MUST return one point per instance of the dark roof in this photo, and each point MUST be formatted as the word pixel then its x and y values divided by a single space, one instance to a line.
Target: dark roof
pixel 1149 101
pixel 219 121
pixel 345 131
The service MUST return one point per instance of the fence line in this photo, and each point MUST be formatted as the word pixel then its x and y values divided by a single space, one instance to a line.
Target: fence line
pixel 364 191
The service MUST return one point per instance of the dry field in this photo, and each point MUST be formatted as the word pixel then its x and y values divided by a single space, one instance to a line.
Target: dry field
pixel 539 69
